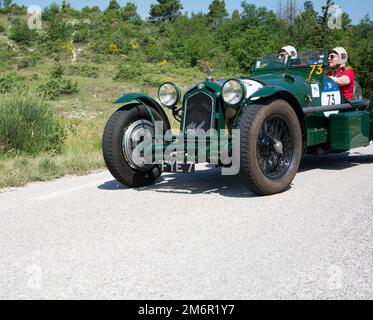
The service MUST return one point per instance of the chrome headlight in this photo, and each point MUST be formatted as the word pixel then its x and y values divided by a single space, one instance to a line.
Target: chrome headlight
pixel 169 94
pixel 233 92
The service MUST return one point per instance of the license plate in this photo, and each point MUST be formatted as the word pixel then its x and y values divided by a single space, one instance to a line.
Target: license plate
pixel 178 167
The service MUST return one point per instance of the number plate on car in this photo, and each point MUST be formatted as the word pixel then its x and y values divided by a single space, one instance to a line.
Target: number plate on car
pixel 178 167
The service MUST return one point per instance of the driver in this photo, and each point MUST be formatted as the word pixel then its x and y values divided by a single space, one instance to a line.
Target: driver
pixel 285 52
pixel 342 76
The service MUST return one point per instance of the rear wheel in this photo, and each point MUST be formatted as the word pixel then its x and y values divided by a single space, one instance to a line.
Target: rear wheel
pixel 271 147
pixel 122 134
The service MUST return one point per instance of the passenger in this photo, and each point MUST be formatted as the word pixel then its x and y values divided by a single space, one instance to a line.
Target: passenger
pixel 343 76
pixel 286 52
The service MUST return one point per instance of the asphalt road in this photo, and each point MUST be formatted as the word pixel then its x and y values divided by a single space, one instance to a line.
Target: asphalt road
pixel 202 236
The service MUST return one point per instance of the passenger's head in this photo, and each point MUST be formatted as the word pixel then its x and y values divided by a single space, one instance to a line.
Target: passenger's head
pixel 286 52
pixel 338 58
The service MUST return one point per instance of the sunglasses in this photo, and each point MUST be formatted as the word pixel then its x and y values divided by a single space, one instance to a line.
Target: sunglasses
pixel 332 56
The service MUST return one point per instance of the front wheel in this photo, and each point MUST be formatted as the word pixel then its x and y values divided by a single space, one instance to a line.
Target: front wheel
pixel 121 136
pixel 271 147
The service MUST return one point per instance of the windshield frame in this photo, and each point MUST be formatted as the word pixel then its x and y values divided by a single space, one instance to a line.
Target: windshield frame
pixel 319 58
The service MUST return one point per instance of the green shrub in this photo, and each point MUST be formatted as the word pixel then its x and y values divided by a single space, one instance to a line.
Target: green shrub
pixel 129 72
pixel 29 125
pixel 2 29
pixel 97 58
pixel 58 87
pixel 57 71
pixel 47 166
pixel 58 30
pixel 151 81
pixel 81 36
pixel 13 9
pixel 83 71
pixel 6 54
pixel 21 33
pixel 26 62
pixel 10 82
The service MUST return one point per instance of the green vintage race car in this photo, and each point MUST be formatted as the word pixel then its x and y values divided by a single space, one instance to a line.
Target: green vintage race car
pixel 267 121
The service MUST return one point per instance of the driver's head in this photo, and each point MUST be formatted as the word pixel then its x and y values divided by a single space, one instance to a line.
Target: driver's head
pixel 286 52
pixel 338 58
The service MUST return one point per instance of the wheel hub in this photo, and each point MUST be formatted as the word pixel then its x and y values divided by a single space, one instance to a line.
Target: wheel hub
pixel 278 146
pixel 136 133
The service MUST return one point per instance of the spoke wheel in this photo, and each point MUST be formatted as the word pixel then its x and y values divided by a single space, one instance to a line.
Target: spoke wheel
pixel 274 147
pixel 271 146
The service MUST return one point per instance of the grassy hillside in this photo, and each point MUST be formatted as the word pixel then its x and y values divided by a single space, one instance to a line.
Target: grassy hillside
pixel 83 114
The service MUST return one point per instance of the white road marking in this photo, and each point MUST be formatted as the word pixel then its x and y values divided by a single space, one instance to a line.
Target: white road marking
pixel 67 191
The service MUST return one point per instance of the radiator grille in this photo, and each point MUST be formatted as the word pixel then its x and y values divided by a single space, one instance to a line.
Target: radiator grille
pixel 198 113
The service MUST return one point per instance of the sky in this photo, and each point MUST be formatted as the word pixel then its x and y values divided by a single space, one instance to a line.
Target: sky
pixel 356 9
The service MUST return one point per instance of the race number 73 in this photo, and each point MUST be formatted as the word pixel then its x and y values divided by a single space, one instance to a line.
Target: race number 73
pixel 331 99
pixel 315 69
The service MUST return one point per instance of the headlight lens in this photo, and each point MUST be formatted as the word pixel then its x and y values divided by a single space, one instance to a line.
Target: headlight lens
pixel 169 94
pixel 233 92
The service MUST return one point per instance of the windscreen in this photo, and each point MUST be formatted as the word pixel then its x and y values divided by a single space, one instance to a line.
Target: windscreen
pixel 303 59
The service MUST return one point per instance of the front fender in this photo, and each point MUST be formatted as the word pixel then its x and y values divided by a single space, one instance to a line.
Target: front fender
pixel 147 102
pixel 265 92
pixel 274 92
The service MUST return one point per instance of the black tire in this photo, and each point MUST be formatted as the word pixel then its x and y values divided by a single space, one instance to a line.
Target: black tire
pixel 115 160
pixel 261 146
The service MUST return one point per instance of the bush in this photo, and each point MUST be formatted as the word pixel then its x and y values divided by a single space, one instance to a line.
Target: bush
pixel 58 30
pixel 113 49
pixel 21 33
pixel 97 58
pixel 2 29
pixel 81 36
pixel 129 72
pixel 6 53
pixel 151 81
pixel 29 125
pixel 83 71
pixel 57 71
pixel 58 87
pixel 25 63
pixel 14 9
pixel 10 82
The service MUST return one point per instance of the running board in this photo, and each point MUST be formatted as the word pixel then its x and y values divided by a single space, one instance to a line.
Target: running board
pixel 337 107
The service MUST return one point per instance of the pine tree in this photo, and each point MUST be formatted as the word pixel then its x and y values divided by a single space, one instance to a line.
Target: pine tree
pixel 236 15
pixel 165 10
pixel 217 12
pixel 5 3
pixel 323 37
pixel 113 6
pixel 308 7
pixel 129 12
pixel 112 12
pixel 305 28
